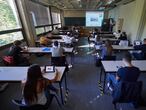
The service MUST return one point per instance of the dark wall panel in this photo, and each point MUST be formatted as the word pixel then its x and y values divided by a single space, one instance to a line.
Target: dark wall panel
pixel 70 21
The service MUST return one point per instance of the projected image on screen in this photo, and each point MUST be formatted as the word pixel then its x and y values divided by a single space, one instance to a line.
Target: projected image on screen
pixel 94 19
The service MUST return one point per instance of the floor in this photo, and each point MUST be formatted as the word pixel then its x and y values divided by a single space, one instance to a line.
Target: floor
pixel 84 93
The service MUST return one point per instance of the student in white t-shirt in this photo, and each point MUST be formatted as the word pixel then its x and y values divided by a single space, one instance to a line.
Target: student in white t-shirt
pixel 117 34
pixel 55 31
pixel 57 50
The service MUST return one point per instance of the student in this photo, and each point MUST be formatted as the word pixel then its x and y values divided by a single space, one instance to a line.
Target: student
pixel 15 52
pixel 123 36
pixel 98 41
pixel 142 47
pixel 95 32
pixel 49 35
pixel 44 41
pixel 55 31
pixel 57 51
pixel 117 34
pixel 128 73
pixel 36 87
pixel 107 49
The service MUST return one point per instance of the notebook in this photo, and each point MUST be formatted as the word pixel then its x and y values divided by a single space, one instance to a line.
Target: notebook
pixel 46 49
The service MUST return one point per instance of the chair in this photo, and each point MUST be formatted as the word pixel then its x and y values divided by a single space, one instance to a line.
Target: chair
pixel 109 58
pixel 124 43
pixel 59 61
pixel 127 92
pixel 25 107
pixel 36 106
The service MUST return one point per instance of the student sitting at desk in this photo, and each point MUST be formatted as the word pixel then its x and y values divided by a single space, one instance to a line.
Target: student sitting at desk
pixel 15 52
pixel 36 87
pixel 49 35
pixel 117 34
pixel 123 36
pixel 98 41
pixel 128 73
pixel 55 31
pixel 142 47
pixel 107 49
pixel 44 41
pixel 57 50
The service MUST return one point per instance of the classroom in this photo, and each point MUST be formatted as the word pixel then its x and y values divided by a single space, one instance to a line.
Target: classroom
pixel 72 54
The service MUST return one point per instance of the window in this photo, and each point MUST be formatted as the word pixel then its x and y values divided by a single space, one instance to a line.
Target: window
pixel 48 28
pixel 8 15
pixel 10 27
pixel 40 30
pixel 41 17
pixel 56 17
pixel 49 16
pixel 10 38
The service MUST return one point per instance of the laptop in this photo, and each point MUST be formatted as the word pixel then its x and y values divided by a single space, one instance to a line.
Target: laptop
pixel 49 69
pixel 137 42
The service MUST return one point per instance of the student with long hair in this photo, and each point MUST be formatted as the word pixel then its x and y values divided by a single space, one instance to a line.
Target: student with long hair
pixel 107 49
pixel 35 88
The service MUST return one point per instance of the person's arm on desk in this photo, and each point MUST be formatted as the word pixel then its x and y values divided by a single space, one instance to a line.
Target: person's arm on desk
pixel 55 78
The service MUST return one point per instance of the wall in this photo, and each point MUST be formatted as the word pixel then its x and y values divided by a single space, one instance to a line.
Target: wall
pixel 74 17
pixel 71 13
pixel 144 31
pixel 132 14
pixel 121 12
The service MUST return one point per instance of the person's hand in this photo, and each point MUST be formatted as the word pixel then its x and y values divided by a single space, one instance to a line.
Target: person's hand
pixel 43 71
pixel 23 81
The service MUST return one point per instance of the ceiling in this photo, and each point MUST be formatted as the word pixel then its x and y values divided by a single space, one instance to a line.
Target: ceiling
pixel 84 4
pixel 75 4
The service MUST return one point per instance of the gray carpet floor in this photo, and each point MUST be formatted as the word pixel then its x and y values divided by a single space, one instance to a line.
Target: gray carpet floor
pixel 82 80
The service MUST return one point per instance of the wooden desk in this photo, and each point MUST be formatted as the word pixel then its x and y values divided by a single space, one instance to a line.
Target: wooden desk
pixel 113 66
pixel 17 74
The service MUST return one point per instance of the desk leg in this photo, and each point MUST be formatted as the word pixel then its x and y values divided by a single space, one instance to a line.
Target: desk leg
pixel 72 58
pixel 104 82
pixel 100 74
pixel 66 88
pixel 61 94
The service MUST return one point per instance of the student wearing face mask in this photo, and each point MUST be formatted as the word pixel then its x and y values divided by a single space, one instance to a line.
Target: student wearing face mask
pixel 128 73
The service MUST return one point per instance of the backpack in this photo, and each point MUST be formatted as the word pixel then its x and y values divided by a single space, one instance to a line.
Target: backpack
pixel 8 60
